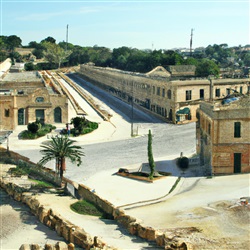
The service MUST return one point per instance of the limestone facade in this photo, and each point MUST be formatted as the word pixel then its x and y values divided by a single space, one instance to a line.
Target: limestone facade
pixel 172 100
pixel 25 101
pixel 223 136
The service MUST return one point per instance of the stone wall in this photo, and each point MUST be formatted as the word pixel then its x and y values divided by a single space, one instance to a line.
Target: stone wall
pixel 50 218
pixel 215 135
pixel 57 246
pixel 78 236
pixel 4 67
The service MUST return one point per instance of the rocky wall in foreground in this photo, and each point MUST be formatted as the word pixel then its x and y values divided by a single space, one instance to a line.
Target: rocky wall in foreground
pixel 77 235
pixel 50 218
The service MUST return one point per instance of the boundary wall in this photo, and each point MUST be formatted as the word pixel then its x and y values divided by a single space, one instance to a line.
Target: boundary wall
pixel 77 235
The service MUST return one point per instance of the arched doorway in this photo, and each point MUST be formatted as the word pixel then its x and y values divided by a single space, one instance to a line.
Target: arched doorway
pixel 58 115
pixel 21 116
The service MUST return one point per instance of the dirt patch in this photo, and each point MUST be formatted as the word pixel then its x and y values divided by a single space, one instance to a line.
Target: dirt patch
pixel 139 177
pixel 222 225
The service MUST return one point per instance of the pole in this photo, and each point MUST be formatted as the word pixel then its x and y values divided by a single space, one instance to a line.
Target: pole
pixel 132 111
pixel 8 144
pixel 67 37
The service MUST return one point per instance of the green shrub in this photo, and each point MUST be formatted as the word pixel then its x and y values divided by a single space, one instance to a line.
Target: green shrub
pixel 183 162
pixel 93 125
pixel 87 130
pixel 41 133
pixel 33 127
pixel 26 134
pixel 17 171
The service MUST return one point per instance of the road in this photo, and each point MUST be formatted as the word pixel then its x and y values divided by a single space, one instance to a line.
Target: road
pixel 168 139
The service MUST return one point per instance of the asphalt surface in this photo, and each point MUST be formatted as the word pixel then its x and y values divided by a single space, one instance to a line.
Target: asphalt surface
pixel 168 139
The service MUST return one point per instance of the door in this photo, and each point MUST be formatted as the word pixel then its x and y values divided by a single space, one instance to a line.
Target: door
pixel 40 115
pixel 202 94
pixel 237 163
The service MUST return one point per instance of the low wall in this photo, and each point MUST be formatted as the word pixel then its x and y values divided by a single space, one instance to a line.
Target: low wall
pixel 77 235
pixel 50 218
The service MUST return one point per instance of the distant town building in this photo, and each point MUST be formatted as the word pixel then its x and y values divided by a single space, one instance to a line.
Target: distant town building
pixel 173 100
pixel 26 97
pixel 223 135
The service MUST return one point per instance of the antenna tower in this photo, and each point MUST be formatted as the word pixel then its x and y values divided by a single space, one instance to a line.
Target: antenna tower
pixel 191 41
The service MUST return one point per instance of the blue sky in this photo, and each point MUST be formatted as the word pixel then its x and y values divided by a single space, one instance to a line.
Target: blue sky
pixel 162 24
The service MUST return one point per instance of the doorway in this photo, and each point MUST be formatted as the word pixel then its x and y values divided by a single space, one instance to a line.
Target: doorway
pixel 40 115
pixel 237 163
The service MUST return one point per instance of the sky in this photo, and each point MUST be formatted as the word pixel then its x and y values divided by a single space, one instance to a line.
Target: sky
pixel 163 24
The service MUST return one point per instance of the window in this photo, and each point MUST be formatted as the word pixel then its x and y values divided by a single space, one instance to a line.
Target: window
pixel 163 92
pixel 7 112
pixel 158 91
pixel 217 92
pixel 153 89
pixel 237 127
pixel 228 91
pixel 241 90
pixel 201 93
pixel 39 99
pixel 169 94
pixel 188 95
pixel 209 128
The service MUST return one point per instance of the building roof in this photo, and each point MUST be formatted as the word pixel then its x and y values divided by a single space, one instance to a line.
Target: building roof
pixel 182 70
pixel 158 72
pixel 29 76
pixel 236 108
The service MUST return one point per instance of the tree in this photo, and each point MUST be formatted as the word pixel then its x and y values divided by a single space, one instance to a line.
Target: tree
pixel 207 67
pixel 30 66
pixel 60 148
pixel 13 42
pixel 150 156
pixel 55 54
pixel 49 39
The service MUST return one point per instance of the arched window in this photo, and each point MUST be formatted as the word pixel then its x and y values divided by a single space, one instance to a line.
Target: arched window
pixel 169 94
pixel 40 99
pixel 21 116
pixel 58 115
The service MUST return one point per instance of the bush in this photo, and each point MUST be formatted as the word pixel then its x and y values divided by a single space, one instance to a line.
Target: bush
pixel 93 125
pixel 33 127
pixel 87 130
pixel 42 132
pixel 27 135
pixel 183 162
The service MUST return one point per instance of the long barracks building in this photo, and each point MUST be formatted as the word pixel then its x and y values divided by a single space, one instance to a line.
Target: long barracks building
pixel 156 91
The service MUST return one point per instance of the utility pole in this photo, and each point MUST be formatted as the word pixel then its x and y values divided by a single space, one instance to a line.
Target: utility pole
pixel 67 36
pixel 132 111
pixel 191 41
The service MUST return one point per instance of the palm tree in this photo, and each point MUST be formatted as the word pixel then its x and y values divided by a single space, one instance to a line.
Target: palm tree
pixel 60 148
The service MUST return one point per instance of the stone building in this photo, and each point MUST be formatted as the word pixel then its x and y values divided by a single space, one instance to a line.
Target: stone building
pixel 223 135
pixel 25 97
pixel 173 100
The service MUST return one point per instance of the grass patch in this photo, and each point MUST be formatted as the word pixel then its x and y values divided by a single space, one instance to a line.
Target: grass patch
pixel 18 171
pixel 87 208
pixel 41 184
